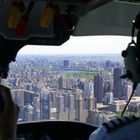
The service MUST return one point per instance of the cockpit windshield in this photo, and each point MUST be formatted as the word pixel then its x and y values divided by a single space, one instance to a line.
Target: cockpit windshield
pixel 78 81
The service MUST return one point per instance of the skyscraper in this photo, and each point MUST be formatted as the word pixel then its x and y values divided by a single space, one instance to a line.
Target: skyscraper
pixel 65 95
pixel 60 83
pixel 90 101
pixel 80 84
pixel 18 96
pixel 36 108
pixel 108 98
pixel 98 87
pixel 118 91
pixel 29 96
pixel 66 63
pixel 71 102
pixel 88 86
pixel 45 106
pixel 53 98
pixel 53 112
pixel 137 93
pixel 79 107
pixel 27 113
pixel 60 103
pixel 107 86
pixel 127 90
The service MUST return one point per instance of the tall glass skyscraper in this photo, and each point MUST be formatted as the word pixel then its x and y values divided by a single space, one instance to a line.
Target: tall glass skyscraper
pixel 118 83
pixel 98 87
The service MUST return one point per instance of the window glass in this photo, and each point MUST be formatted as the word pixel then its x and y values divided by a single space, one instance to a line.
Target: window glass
pixel 78 81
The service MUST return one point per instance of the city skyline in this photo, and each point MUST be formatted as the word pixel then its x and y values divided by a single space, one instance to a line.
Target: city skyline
pixel 73 88
pixel 76 45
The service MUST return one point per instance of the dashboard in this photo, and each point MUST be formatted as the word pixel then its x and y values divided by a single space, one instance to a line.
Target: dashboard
pixel 55 130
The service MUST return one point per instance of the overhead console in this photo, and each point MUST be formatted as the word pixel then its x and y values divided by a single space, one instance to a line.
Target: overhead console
pixel 25 19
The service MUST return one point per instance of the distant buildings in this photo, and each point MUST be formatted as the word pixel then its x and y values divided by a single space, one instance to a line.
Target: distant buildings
pixel 66 63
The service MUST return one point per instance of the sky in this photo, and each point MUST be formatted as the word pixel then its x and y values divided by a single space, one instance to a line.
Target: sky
pixel 82 45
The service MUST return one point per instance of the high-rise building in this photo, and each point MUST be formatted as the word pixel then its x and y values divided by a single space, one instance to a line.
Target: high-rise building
pixel 71 102
pixel 80 85
pixel 107 87
pixel 137 93
pixel 127 88
pixel 88 86
pixel 79 107
pixel 98 87
pixel 109 64
pixel 18 96
pixel 60 103
pixel 45 106
pixel 27 113
pixel 107 76
pixel 71 115
pixel 62 115
pixel 108 98
pixel 65 95
pixel 118 82
pixel 134 107
pixel 53 112
pixel 36 108
pixel 90 101
pixel 53 98
pixel 29 97
pixel 66 63
pixel 61 83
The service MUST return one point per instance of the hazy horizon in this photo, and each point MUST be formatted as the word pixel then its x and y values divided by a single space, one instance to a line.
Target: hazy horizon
pixel 70 54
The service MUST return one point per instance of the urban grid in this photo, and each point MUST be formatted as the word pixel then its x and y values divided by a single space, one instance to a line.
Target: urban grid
pixel 72 88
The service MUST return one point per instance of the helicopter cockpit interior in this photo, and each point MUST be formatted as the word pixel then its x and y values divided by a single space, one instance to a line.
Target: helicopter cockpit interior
pixel 53 22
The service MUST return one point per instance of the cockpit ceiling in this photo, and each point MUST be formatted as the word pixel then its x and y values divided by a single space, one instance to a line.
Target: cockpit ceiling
pixel 114 18
pixel 23 19
pixel 106 17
